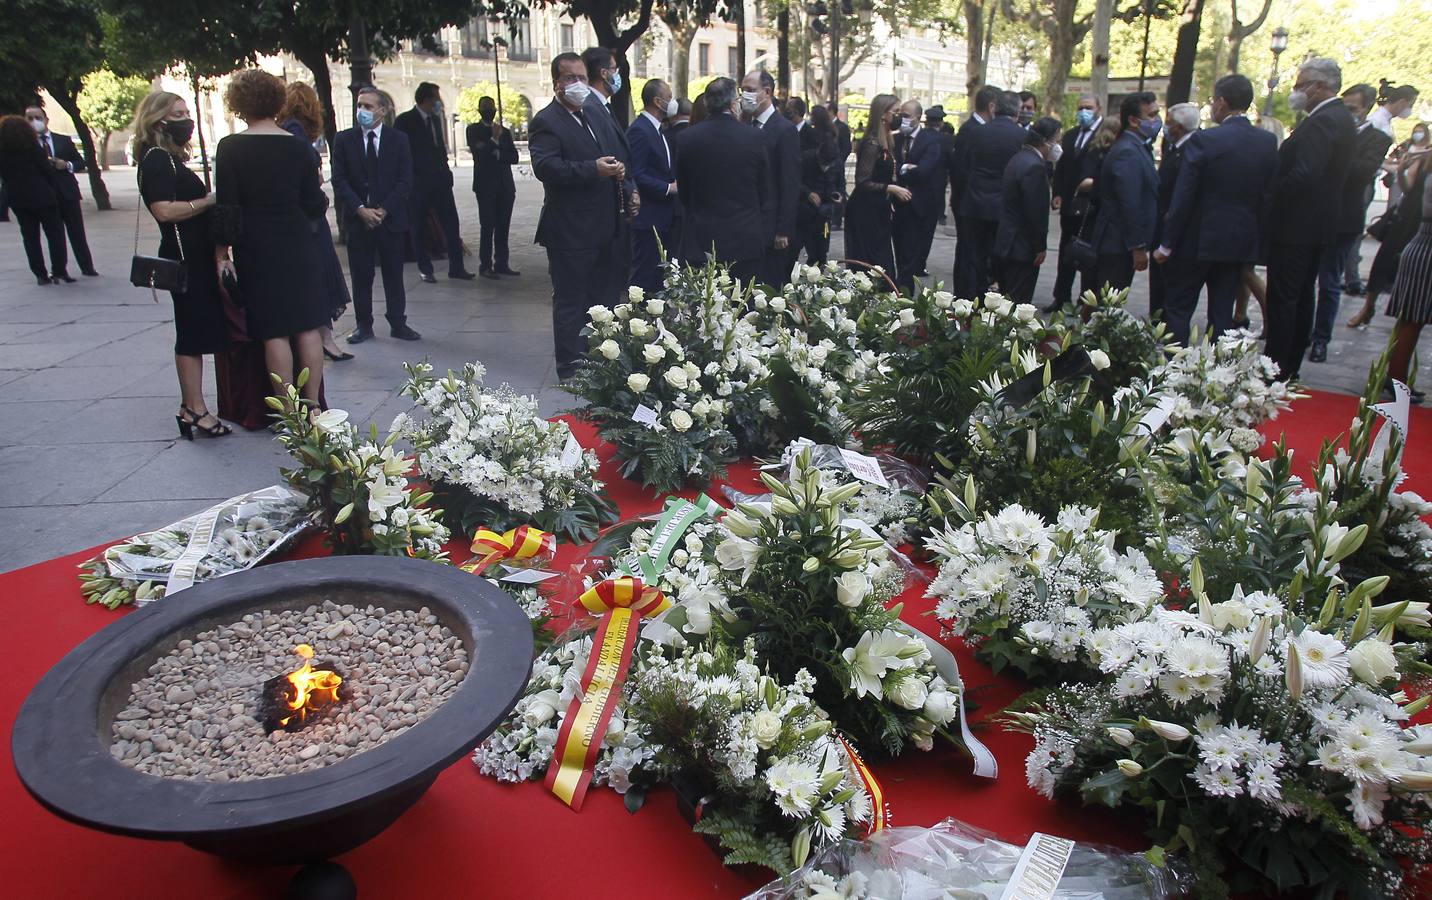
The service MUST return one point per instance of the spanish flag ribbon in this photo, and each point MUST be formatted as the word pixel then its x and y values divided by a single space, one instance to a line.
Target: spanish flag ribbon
pixel 621 602
pixel 880 813
pixel 525 542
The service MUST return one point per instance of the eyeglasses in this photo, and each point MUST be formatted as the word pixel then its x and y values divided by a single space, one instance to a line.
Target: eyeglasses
pixel 571 78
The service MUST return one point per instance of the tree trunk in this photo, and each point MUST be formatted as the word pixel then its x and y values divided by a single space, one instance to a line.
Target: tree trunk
pixel 604 22
pixel 1238 31
pixel 783 52
pixel 69 102
pixel 317 63
pixel 681 38
pixel 974 48
pixel 104 151
pixel 738 9
pixel 1185 53
pixel 1061 33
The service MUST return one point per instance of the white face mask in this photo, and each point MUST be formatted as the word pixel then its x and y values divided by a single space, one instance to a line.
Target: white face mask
pixel 1419 136
pixel 38 125
pixel 672 108
pixel 1404 114
pixel 1298 100
pixel 1055 151
pixel 749 99
pixel 577 92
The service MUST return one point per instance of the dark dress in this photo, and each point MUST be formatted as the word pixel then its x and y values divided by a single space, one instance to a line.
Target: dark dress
pixel 867 215
pixel 268 195
pixel 1411 299
pixel 335 286
pixel 818 158
pixel 199 323
pixel 1407 218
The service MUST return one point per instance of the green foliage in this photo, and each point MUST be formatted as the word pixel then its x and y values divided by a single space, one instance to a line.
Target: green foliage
pixel 108 101
pixel 735 828
pixel 514 111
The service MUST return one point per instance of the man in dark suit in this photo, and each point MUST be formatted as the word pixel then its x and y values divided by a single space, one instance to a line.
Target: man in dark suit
pixel 1182 123
pixel 1076 166
pixel 67 161
pixel 958 156
pixel 1216 216
pixel 1023 233
pixel 575 159
pixel 783 174
pixel 426 127
pixel 1307 200
pixel 655 176
pixel 1369 149
pixel 493 156
pixel 605 79
pixel 372 178
pixel 846 147
pixel 986 150
pixel 920 167
pixel 721 167
pixel 675 126
pixel 1127 195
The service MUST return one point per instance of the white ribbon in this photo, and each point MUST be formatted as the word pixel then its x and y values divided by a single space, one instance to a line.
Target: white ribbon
pixel 985 765
pixel 1395 415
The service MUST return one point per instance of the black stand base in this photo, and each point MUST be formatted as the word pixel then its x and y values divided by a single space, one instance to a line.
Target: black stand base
pixel 321 881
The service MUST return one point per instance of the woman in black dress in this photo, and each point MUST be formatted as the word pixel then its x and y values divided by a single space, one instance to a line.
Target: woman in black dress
pixel 268 194
pixel 181 205
pixel 302 117
pixel 867 216
pixel 31 193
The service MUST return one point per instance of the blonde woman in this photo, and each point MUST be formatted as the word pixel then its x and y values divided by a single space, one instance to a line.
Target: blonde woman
pixel 179 202
pixel 868 211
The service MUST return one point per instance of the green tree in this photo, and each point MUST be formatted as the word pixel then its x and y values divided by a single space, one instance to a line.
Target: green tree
pixel 1065 24
pixel 514 111
pixel 107 102
pixel 618 24
pixel 683 18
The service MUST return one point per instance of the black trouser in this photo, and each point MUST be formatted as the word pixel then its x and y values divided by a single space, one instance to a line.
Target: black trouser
pixel 438 198
pixel 812 236
pixel 74 218
pixel 1066 270
pixel 581 279
pixel 1017 280
pixel 776 267
pixel 913 236
pixel 48 218
pixel 367 248
pixel 1116 270
pixel 647 242
pixel 972 256
pixel 1292 298
pixel 494 212
pixel 1184 281
pixel 1158 290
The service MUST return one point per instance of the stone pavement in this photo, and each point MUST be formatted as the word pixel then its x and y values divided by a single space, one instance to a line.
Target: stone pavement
pixel 88 391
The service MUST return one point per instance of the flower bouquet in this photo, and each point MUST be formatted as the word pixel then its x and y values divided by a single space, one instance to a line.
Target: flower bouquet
pixel 358 491
pixel 494 462
pixel 1224 383
pixel 228 537
pixel 1135 347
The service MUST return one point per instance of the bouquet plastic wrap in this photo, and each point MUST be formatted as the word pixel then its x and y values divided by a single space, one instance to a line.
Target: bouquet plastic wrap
pixel 237 534
pixel 955 860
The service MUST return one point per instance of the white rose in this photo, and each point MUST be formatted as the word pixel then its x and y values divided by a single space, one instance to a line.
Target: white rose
pixel 1373 661
pixel 693 371
pixel 653 353
pixel 941 707
pixel 851 588
pixel 680 419
pixel 766 728
pixel 599 314
pixel 638 382
pixel 910 693
pixel 944 299
pixel 698 619
pixel 1099 359
pixel 656 306
pixel 638 328
pixel 635 294
pixel 701 407
pixel 907 317
pixel 541 708
pixel 676 377
pixel 609 349
pixel 761 302
pixel 1025 312
pixel 963 308
pixel 778 304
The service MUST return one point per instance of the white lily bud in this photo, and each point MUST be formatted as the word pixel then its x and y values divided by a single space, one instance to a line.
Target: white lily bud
pixel 1130 768
pixel 1412 781
pixel 1121 736
pixel 1169 731
pixel 1294 674
pixel 1258 645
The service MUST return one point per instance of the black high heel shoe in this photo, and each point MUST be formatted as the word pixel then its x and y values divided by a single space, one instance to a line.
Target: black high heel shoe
pixel 189 420
pixel 338 357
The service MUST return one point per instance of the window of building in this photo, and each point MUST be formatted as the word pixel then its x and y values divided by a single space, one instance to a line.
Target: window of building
pixel 474 37
pixel 733 63
pixel 703 59
pixel 519 39
pixel 639 70
pixel 760 15
pixel 567 40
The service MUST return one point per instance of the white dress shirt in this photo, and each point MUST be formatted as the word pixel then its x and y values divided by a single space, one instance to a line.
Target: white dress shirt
pixel 764 117
pixel 48 140
pixel 656 123
pixel 377 132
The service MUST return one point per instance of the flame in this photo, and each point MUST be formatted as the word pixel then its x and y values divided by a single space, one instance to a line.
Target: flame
pixel 312 687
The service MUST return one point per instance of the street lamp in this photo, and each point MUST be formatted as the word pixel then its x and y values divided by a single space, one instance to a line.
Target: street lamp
pixel 1280 43
pixel 494 46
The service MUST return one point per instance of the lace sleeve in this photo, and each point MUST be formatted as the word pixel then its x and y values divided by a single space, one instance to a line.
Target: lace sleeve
pixel 866 178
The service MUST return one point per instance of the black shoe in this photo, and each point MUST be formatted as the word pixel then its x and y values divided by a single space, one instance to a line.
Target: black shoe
pixel 461 276
pixel 1319 353
pixel 404 333
pixel 360 334
pixel 488 273
pixel 427 278
pixel 506 271
pixel 1354 289
pixel 337 357
pixel 43 280
pixel 89 273
pixel 1241 323
pixel 64 277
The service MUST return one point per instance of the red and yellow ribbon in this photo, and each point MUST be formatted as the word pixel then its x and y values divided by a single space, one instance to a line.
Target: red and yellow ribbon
pixel 621 602
pixel 879 814
pixel 525 542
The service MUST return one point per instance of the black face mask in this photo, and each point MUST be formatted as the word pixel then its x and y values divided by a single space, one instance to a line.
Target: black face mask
pixel 179 130
pixel 487 115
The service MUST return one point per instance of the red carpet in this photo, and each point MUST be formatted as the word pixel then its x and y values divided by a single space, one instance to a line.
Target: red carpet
pixel 470 836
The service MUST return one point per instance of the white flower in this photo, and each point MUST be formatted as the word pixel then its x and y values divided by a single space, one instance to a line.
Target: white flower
pixel 638 382
pixel 609 349
pixel 653 353
pixel 541 708
pixel 941 706
pixel 1373 661
pixel 871 657
pixel 1169 731
pixel 599 314
pixel 1025 312
pixel 1322 657
pixel 766 728
pixel 1099 359
pixel 656 306
pixel 1121 736
pixel 1130 768
pixel 851 588
pixel 907 317
pixel 910 692
pixel 962 308
pixel 680 420
pixel 330 420
pixel 701 407
pixel 638 328
pixel 635 294
pixel 738 553
pixel 778 304
pixel 676 377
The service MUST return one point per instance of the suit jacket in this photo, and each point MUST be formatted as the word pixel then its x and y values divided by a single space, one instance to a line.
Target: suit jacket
pixel 1075 164
pixel 1127 191
pixel 653 173
pixel 958 160
pixel 1024 208
pixel 65 182
pixel 600 115
pixel 927 180
pixel 1168 176
pixel 392 187
pixel 783 177
pixel 1220 201
pixel 842 139
pixel 492 161
pixel 990 148
pixel 1312 166
pixel 580 208
pixel 1369 149
pixel 29 178
pixel 721 167
pixel 430 161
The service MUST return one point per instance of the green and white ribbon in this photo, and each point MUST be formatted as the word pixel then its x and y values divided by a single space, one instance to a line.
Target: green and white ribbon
pixel 678 516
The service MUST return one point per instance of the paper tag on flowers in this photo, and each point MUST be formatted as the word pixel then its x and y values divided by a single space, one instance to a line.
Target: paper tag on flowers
pixel 1155 418
pixel 571 453
pixel 525 576
pixel 866 468
pixel 1040 867
pixel 645 415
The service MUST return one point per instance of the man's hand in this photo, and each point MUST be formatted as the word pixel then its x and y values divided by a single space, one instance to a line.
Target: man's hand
pixel 1161 255
pixel 59 164
pixel 635 206
pixel 1058 201
pixel 781 242
pixel 370 217
pixel 1141 259
pixel 671 189
pixel 496 129
pixel 899 193
pixel 1039 259
pixel 610 167
pixel 814 198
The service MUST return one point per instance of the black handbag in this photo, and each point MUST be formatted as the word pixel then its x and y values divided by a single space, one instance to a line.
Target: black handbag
pixel 157 273
pixel 1081 250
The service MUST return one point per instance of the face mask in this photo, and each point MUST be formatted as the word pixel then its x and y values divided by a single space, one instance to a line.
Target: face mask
pixel 1298 100
pixel 366 118
pixel 438 109
pixel 38 125
pixel 1419 136
pixel 672 108
pixel 577 92
pixel 1150 128
pixel 749 99
pixel 906 126
pixel 615 82
pixel 179 130
pixel 1055 151
pixel 1025 117
pixel 1085 117
pixel 487 115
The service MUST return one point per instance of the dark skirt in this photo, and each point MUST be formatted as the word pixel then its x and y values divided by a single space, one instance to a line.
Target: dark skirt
pixel 199 326
pixel 1411 299
pixel 867 230
pixel 281 276
pixel 335 288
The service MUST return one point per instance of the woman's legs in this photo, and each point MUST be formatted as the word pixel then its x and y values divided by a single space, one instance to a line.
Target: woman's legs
pixel 278 359
pixel 1364 315
pixel 307 352
pixel 1404 346
pixel 329 344
pixel 191 381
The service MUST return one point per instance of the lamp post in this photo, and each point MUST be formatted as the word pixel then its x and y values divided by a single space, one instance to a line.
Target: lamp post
pixel 495 45
pixel 1280 43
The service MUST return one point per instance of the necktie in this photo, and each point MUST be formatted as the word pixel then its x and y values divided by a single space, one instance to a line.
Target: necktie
pixel 1083 136
pixel 45 142
pixel 372 162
